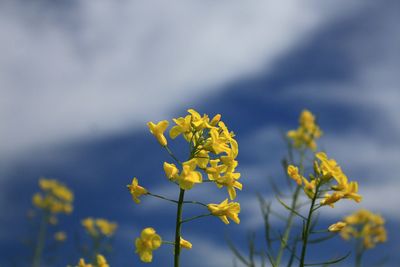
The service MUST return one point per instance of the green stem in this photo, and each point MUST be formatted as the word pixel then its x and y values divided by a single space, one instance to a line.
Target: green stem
pixel 359 252
pixel 196 217
pixel 288 227
pixel 41 240
pixel 172 155
pixel 178 228
pixel 289 222
pixel 306 232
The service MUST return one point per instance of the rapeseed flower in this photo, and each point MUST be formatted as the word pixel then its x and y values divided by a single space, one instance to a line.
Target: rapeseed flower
pixel 136 190
pixel 306 134
pixel 185 244
pixel 148 241
pixel 99 227
pixel 336 227
pixel 293 173
pixel 226 210
pixel 366 226
pixel 158 131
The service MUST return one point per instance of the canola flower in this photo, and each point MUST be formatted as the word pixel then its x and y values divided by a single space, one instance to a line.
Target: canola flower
pixel 99 262
pixel 148 241
pixel 96 227
pixel 307 133
pixel 364 226
pixel 328 177
pixel 54 198
pixel 213 150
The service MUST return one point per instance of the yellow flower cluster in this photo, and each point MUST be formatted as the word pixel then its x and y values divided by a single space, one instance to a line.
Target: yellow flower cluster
pixel 99 227
pixel 55 197
pixel 307 132
pixel 365 225
pixel 100 262
pixel 213 150
pixel 326 171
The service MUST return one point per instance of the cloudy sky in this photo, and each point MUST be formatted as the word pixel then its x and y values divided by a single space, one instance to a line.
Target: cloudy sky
pixel 79 80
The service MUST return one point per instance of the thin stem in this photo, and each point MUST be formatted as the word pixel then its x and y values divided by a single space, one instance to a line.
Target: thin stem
pixel 178 227
pixel 195 202
pixel 196 217
pixel 41 240
pixel 359 252
pixel 172 155
pixel 306 232
pixel 161 197
pixel 289 223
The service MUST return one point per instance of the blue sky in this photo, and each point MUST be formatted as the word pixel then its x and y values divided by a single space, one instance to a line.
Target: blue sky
pixel 79 81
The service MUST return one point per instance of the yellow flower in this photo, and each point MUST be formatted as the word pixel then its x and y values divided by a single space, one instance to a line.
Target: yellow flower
pixel 60 236
pixel 189 176
pixel 226 210
pixel 293 173
pixel 83 264
pixel 182 126
pixel 171 171
pixel 55 197
pixel 202 158
pixel 336 227
pixel 230 181
pixel 90 227
pixel 101 261
pixel 185 244
pixel 106 228
pixel 365 225
pixel 158 131
pixel 148 241
pixel 307 132
pixel 136 190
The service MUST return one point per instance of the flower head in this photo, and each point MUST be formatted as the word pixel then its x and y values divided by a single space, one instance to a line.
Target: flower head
pixel 226 210
pixel 365 225
pixel 158 131
pixel 148 241
pixel 136 190
pixel 307 133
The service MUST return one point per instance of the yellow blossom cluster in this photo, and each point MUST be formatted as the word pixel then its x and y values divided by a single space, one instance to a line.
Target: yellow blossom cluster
pixel 99 227
pixel 54 197
pixel 100 262
pixel 213 150
pixel 365 225
pixel 307 132
pixel 326 171
pixel 213 153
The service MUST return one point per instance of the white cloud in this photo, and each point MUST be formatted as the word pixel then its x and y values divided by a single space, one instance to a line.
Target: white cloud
pixel 102 66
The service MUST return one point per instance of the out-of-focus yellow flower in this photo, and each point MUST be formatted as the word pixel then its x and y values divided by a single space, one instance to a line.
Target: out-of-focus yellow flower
pixel 60 236
pixel 307 133
pixel 97 227
pixel 365 225
pixel 336 227
pixel 82 263
pixel 107 228
pixel 55 197
pixel 185 244
pixel 148 241
pixel 158 131
pixel 226 210
pixel 189 176
pixel 171 171
pixel 136 190
pixel 293 173
pixel 101 261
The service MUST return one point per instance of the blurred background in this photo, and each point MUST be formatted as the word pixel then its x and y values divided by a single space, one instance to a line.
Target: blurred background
pixel 80 79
